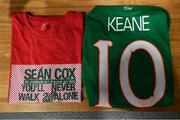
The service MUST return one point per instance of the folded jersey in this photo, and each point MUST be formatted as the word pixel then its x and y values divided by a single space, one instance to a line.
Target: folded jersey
pixel 46 58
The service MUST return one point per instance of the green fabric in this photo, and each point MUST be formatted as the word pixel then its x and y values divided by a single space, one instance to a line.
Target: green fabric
pixel 141 69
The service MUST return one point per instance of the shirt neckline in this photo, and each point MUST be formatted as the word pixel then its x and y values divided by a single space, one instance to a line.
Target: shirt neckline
pixel 28 16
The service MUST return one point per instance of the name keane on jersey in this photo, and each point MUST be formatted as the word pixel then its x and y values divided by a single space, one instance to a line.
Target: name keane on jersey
pixel 127 23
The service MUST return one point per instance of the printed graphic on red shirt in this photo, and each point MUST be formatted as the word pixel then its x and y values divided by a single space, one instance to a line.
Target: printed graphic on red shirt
pixel 46 83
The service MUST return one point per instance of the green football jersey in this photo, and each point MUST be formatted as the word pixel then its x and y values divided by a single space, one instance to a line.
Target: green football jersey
pixel 126 57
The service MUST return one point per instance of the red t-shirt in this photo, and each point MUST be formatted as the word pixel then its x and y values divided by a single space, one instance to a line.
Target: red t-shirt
pixel 46 58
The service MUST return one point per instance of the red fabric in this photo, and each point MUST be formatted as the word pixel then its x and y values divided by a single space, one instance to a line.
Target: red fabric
pixel 46 39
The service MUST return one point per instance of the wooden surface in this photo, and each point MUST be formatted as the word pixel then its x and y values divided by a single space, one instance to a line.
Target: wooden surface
pixel 59 7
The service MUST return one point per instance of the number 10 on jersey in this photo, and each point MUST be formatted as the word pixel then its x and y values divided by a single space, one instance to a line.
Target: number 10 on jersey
pixel 103 84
